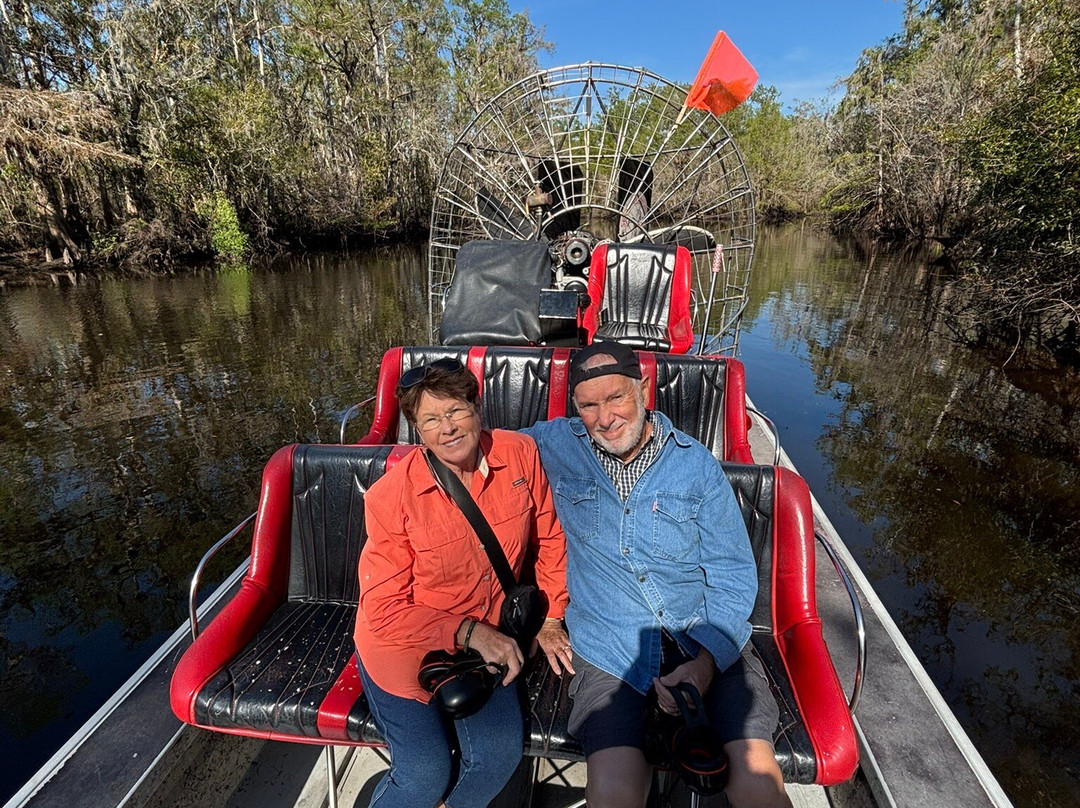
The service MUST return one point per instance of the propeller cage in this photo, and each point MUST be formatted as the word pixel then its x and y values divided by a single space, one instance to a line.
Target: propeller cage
pixel 575 155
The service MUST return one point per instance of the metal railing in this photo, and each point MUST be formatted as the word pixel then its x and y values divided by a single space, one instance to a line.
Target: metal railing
pixel 193 591
pixel 349 413
pixel 860 626
pixel 772 428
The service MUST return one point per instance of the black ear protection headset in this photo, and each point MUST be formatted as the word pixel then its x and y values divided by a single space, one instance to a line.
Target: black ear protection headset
pixel 686 743
pixel 461 683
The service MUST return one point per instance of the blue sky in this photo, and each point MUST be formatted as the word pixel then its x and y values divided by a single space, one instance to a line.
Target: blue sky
pixel 799 46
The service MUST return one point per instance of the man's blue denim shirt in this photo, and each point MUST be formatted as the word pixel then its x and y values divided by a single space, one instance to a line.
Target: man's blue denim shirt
pixel 675 555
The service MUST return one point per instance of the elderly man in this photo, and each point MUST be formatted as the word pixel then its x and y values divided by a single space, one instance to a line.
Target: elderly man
pixel 662 580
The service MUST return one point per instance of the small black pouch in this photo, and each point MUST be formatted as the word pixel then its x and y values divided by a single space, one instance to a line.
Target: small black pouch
pixel 522 613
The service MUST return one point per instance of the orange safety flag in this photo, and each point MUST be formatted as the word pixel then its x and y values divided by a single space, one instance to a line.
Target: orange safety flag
pixel 725 79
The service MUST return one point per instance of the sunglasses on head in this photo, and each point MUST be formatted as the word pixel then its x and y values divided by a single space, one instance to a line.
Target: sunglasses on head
pixel 414 376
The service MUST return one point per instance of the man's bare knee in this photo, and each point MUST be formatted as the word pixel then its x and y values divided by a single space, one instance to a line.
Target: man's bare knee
pixel 755 778
pixel 618 777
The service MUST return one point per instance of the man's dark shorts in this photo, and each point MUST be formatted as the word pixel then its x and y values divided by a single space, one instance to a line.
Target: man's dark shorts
pixel 607 712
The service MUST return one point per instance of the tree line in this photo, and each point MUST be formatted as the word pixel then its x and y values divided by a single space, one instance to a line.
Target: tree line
pixel 136 132
pixel 962 128
pixel 139 131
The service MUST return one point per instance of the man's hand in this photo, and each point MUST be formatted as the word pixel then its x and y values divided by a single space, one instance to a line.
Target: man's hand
pixel 698 671
pixel 556 645
pixel 497 648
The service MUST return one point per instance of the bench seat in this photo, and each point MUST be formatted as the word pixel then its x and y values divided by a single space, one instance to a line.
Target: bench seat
pixel 278 661
pixel 705 396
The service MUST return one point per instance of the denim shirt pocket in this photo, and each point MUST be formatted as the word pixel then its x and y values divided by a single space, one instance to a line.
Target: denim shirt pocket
pixel 675 528
pixel 578 505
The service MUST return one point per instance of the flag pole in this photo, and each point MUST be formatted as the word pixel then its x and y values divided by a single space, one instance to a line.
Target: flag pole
pixel 717 267
pixel 682 112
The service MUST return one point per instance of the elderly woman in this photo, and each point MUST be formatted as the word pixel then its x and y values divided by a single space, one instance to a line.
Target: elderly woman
pixel 426 583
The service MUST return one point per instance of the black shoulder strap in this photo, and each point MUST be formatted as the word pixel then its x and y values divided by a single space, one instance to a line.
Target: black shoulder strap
pixel 464 501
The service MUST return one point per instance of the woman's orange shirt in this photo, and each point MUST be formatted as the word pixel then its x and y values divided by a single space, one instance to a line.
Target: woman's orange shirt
pixel 423 570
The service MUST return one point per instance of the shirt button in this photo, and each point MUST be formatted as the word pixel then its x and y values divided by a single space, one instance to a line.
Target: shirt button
pixel 487 577
pixel 627 511
pixel 660 613
pixel 641 579
pixel 625 551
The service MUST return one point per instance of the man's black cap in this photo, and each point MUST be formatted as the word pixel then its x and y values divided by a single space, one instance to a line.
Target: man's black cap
pixel 625 364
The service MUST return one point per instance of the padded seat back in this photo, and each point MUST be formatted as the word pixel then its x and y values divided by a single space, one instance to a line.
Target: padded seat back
pixel 704 396
pixel 327 487
pixel 514 384
pixel 279 660
pixel 640 296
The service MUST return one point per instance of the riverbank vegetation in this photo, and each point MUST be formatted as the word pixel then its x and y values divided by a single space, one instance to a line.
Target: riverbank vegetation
pixel 137 134
pixel 962 128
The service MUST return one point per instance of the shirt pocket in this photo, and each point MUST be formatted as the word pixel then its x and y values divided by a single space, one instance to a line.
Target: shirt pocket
pixel 510 518
pixel 578 505
pixel 675 528
pixel 443 555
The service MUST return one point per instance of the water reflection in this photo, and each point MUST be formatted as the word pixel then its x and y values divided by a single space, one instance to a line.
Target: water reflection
pixel 135 417
pixel 959 474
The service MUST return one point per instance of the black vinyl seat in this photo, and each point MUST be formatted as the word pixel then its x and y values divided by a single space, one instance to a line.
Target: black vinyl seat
pixel 640 296
pixel 278 661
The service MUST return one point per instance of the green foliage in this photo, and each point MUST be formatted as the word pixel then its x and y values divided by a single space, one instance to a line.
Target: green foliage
pixel 963 128
pixel 316 118
pixel 785 154
pixel 226 238
pixel 1028 153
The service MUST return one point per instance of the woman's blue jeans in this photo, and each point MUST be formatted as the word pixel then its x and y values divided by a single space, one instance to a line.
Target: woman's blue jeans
pixel 423 772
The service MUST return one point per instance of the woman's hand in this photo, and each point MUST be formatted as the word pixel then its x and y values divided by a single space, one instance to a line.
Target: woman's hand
pixel 497 648
pixel 552 638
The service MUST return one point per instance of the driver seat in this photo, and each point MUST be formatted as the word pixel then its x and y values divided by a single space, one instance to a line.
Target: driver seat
pixel 639 295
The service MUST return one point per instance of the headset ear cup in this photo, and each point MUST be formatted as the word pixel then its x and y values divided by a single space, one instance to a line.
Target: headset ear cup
pixel 695 750
pixel 433 668
pixel 460 683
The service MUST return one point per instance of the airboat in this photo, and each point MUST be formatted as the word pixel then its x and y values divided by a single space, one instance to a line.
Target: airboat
pixel 582 203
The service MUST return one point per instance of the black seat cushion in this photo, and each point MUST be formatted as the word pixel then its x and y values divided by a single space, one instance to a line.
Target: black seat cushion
pixel 278 682
pixel 515 387
pixel 640 336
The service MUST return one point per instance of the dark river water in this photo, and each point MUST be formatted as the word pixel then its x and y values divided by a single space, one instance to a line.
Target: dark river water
pixel 136 415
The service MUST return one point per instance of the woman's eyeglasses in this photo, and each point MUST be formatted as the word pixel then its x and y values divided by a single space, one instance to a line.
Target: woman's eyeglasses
pixel 414 376
pixel 456 415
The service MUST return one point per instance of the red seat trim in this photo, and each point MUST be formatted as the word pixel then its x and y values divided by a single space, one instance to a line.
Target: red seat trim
pixel 736 421
pixel 559 383
pixel 384 422
pixel 334 710
pixel 263 588
pixel 680 323
pixel 797 630
pixel 590 320
pixel 476 365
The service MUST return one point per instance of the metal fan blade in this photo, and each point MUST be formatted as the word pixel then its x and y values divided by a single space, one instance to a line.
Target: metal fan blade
pixel 634 197
pixel 499 220
pixel 695 239
pixel 564 183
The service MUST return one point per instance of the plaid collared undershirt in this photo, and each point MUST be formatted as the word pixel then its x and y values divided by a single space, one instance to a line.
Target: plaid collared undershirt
pixel 626 475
